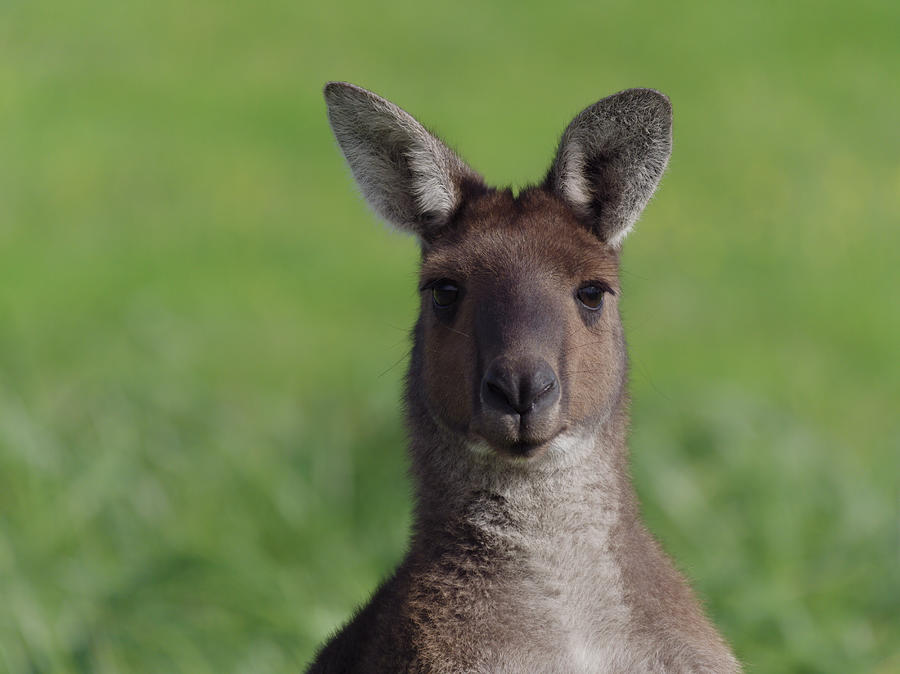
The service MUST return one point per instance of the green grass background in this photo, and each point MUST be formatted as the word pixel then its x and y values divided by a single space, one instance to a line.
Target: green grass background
pixel 203 330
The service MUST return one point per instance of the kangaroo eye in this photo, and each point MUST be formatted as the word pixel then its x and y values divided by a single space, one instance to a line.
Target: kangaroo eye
pixel 591 296
pixel 444 293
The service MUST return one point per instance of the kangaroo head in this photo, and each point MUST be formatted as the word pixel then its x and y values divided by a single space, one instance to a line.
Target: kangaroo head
pixel 519 337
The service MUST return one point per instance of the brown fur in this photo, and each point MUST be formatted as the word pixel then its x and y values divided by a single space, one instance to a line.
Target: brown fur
pixel 527 553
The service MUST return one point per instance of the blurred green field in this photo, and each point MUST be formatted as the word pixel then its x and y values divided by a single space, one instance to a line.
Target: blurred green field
pixel 203 331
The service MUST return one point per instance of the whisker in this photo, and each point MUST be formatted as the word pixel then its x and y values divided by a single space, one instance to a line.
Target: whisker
pixel 574 348
pixel 399 360
pixel 458 332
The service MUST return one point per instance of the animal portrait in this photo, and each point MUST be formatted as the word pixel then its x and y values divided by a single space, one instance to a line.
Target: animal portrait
pixel 449 337
pixel 527 552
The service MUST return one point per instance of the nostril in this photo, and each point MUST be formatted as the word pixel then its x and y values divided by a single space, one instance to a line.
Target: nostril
pixel 540 395
pixel 499 394
pixel 544 391
pixel 493 388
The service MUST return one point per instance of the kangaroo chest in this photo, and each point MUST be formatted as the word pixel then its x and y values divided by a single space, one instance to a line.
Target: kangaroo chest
pixel 557 605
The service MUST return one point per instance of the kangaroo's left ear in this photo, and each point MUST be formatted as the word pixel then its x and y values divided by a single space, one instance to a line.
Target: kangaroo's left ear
pixel 610 160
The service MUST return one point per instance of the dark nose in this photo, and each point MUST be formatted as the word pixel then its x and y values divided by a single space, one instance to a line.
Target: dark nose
pixel 523 386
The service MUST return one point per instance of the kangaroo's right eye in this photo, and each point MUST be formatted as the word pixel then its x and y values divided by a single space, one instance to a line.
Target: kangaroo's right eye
pixel 444 293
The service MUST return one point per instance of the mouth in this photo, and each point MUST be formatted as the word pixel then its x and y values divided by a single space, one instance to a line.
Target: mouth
pixel 528 449
pixel 525 450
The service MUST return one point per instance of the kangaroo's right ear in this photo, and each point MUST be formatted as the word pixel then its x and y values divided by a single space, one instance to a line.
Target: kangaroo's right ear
pixel 407 175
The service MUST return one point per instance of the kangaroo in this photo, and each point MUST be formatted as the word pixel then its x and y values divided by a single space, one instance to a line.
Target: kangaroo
pixel 527 552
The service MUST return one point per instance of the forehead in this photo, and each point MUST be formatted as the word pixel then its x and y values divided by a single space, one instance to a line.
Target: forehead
pixel 502 236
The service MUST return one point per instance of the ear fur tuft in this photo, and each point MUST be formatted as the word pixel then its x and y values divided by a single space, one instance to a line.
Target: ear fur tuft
pixel 611 158
pixel 406 174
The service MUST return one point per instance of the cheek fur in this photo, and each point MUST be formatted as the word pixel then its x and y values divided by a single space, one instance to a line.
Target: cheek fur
pixel 449 372
pixel 594 366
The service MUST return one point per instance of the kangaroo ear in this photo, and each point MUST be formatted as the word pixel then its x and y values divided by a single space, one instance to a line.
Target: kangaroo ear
pixel 610 160
pixel 408 176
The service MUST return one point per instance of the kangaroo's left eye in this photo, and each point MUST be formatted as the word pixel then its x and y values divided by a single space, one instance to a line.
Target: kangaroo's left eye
pixel 591 296
pixel 444 293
